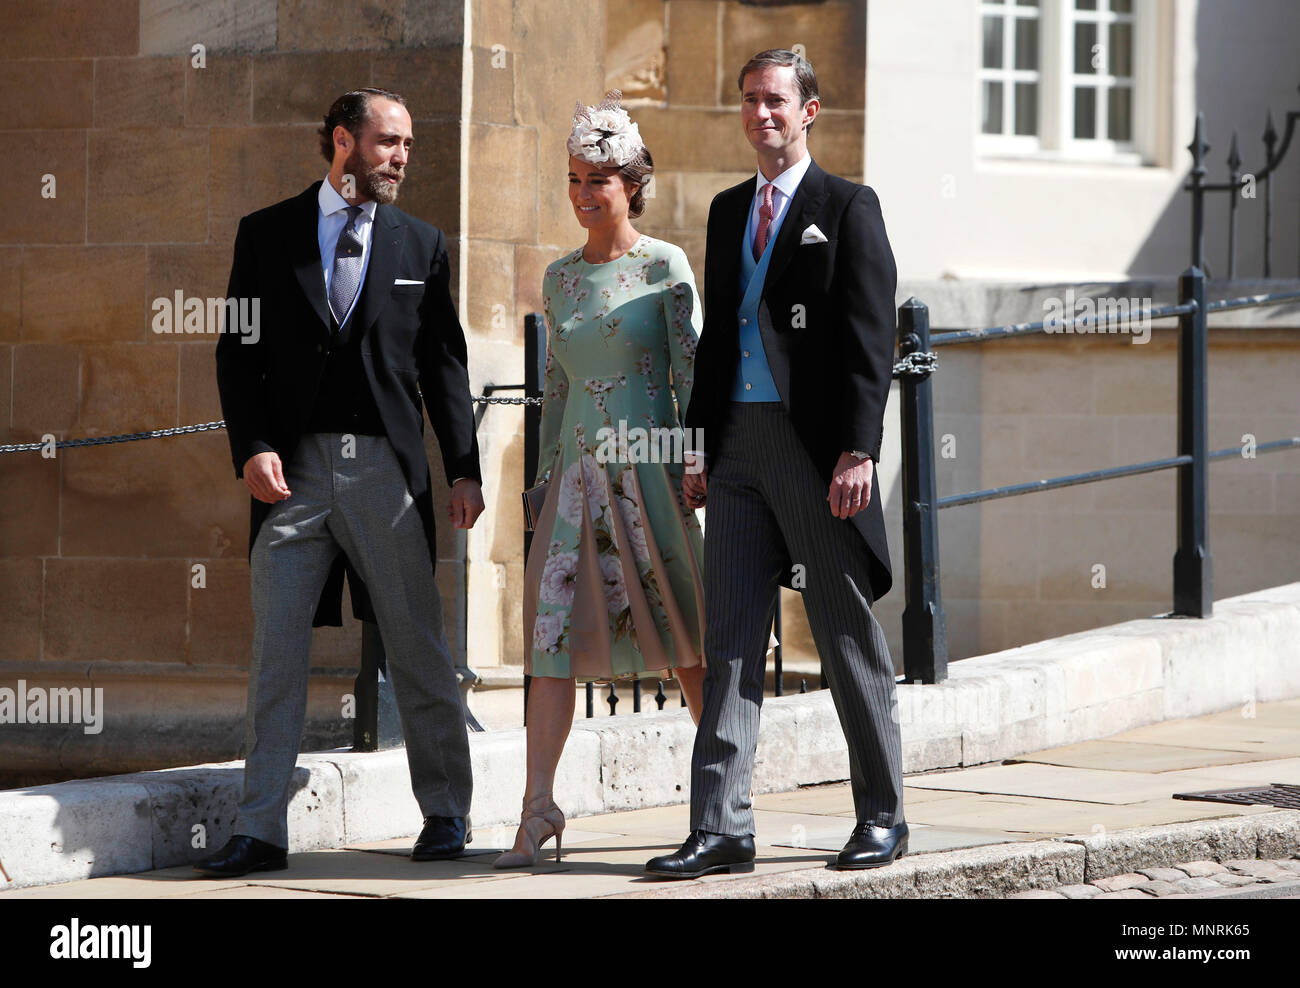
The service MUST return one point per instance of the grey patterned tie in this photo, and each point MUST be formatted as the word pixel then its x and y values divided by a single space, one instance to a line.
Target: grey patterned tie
pixel 347 267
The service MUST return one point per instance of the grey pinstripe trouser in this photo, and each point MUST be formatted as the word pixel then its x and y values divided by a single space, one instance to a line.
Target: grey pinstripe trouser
pixel 764 490
pixel 360 505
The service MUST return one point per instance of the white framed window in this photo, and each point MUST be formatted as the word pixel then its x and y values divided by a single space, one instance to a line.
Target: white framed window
pixel 1067 79
pixel 1010 80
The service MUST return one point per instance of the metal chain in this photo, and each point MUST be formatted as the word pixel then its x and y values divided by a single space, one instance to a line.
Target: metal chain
pixel 131 437
pixel 493 400
pixel 917 364
pixel 106 440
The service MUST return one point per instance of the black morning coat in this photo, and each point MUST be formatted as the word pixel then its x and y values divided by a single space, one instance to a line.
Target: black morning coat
pixel 828 325
pixel 412 348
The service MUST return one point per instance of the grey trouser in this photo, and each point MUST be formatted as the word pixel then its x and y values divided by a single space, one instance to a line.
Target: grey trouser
pixel 763 492
pixel 360 505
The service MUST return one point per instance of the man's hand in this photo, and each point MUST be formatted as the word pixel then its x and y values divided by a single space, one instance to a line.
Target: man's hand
pixel 850 485
pixel 466 503
pixel 695 485
pixel 264 477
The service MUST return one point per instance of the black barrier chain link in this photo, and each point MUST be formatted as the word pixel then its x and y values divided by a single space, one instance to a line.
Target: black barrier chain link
pixel 130 437
pixel 918 364
pixel 106 440
pixel 493 400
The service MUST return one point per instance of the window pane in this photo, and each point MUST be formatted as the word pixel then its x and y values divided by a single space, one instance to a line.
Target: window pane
pixel 1026 42
pixel 1027 108
pixel 1085 38
pixel 1085 112
pixel 1120 110
pixel 1122 6
pixel 992 108
pixel 1121 50
pixel 993 42
pixel 1085 4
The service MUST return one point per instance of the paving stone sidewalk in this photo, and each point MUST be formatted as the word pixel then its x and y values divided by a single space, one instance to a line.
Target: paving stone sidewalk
pixel 1110 793
pixel 1184 880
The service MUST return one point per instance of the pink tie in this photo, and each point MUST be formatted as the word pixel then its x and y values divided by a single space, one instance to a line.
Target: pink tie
pixel 764 221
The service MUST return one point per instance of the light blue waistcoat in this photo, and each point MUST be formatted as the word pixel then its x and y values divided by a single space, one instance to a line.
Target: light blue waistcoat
pixel 753 369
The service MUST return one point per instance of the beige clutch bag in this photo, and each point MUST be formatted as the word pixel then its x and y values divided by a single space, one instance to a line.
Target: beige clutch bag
pixel 534 498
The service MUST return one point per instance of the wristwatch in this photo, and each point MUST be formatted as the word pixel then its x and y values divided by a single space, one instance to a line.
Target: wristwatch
pixel 858 454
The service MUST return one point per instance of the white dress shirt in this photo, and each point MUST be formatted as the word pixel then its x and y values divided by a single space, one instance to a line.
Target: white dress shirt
pixel 333 217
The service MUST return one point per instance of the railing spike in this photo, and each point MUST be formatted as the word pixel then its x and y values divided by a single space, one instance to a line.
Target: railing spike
pixel 1199 147
pixel 1234 159
pixel 1270 134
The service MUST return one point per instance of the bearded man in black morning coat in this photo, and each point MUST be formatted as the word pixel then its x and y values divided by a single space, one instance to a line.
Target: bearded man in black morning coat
pixel 324 417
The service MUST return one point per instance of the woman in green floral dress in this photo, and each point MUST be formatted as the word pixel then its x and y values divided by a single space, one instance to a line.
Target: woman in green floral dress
pixel 612 586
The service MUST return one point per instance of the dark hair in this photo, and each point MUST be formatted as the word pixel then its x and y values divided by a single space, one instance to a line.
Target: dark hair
pixel 634 171
pixel 350 110
pixel 804 75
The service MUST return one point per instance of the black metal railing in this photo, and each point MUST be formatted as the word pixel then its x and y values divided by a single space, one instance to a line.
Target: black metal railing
pixel 1239 185
pixel 925 653
pixel 925 649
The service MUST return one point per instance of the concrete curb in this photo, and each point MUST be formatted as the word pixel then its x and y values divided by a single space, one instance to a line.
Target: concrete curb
pixel 994 871
pixel 1052 693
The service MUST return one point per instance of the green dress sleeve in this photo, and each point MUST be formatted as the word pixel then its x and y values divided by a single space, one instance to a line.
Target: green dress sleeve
pixel 555 392
pixel 684 318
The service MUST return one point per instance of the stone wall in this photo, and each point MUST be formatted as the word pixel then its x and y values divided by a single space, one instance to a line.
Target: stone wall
pixel 530 62
pixel 141 153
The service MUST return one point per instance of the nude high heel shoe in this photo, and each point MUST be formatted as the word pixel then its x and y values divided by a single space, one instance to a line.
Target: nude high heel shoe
pixel 542 819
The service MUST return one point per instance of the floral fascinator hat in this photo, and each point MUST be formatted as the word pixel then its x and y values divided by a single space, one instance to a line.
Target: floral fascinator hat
pixel 605 135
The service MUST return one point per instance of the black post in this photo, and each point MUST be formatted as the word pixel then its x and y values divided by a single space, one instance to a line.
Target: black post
pixel 376 727
pixel 1193 583
pixel 925 640
pixel 534 378
pixel 1234 179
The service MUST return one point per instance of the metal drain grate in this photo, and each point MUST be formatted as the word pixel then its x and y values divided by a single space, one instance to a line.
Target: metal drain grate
pixel 1280 794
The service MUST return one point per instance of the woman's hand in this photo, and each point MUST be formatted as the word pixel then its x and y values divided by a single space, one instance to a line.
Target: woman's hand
pixel 695 482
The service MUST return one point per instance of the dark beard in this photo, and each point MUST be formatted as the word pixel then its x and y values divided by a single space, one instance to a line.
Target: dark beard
pixel 370 181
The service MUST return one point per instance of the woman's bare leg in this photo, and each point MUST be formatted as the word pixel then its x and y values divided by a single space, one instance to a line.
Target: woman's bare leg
pixel 550 716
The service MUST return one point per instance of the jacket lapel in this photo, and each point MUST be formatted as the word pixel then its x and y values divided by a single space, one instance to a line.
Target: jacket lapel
pixel 304 253
pixel 808 199
pixel 385 249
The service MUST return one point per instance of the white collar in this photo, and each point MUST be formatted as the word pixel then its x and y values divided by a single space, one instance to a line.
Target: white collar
pixel 788 181
pixel 331 202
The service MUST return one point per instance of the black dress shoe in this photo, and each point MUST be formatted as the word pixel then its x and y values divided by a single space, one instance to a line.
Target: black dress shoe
pixel 703 854
pixel 240 856
pixel 442 837
pixel 873 847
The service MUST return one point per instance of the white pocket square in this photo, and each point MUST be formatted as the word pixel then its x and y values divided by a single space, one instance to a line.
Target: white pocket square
pixel 406 281
pixel 812 235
